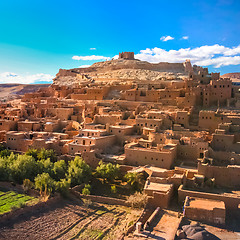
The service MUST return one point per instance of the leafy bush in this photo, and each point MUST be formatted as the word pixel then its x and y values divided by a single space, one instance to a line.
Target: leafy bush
pixel 32 152
pixel 24 167
pixel 86 190
pixel 113 189
pixel 5 153
pixel 59 169
pixel 27 185
pixel 44 154
pixel 62 187
pixel 135 180
pixel 78 171
pixel 107 171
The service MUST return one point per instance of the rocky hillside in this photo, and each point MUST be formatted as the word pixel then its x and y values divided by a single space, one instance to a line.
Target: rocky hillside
pixel 122 69
pixel 234 76
pixel 11 91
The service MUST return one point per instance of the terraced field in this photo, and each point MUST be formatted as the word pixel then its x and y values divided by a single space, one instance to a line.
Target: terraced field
pixel 70 219
pixel 10 200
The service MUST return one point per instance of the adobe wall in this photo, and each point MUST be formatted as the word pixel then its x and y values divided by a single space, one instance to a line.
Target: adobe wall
pixel 231 202
pixel 224 176
pixel 161 199
pixel 138 156
pixel 224 156
pixel 7 125
pixel 104 119
pixel 215 216
pixel 100 199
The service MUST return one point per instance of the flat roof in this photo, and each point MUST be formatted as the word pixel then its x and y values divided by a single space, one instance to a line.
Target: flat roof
pixel 158 187
pixel 121 126
pixel 208 204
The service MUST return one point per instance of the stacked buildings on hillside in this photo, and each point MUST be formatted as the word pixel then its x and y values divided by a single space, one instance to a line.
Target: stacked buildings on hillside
pixel 185 133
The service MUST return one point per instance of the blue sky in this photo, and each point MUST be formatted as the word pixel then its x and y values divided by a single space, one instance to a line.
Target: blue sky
pixel 39 37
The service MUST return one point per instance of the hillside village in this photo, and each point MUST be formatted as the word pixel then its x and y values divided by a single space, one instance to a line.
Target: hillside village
pixel 174 122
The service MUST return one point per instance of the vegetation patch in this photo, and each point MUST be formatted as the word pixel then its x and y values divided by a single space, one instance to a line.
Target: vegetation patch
pixel 10 200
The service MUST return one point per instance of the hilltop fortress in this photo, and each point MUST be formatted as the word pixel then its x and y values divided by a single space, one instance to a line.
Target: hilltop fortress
pixel 126 68
pixel 177 122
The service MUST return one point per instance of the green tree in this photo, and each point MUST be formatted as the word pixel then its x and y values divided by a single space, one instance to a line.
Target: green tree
pixel 33 152
pixel 5 153
pixel 24 167
pixel 86 189
pixel 4 169
pixel 45 184
pixel 59 169
pixel 78 171
pixel 107 171
pixel 135 180
pixel 63 186
pixel 45 165
pixel 47 153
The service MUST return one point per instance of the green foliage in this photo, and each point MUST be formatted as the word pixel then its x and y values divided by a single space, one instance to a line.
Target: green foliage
pixel 44 154
pixel 4 169
pixel 33 152
pixel 24 167
pixel 5 153
pixel 2 147
pixel 45 165
pixel 63 186
pixel 135 180
pixel 11 200
pixel 113 189
pixel 107 171
pixel 59 169
pixel 45 184
pixel 78 171
pixel 86 189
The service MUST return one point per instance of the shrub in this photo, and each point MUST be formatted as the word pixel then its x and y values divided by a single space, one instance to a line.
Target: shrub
pixel 59 169
pixel 107 171
pixel 5 153
pixel 78 171
pixel 27 185
pixel 44 154
pixel 86 190
pixel 137 200
pixel 135 180
pixel 113 189
pixel 24 167
pixel 62 187
pixel 32 152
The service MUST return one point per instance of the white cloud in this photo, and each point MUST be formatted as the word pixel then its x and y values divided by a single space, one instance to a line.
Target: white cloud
pixel 8 77
pixel 216 55
pixel 185 37
pixel 166 38
pixel 91 57
pixel 84 66
pixel 93 48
